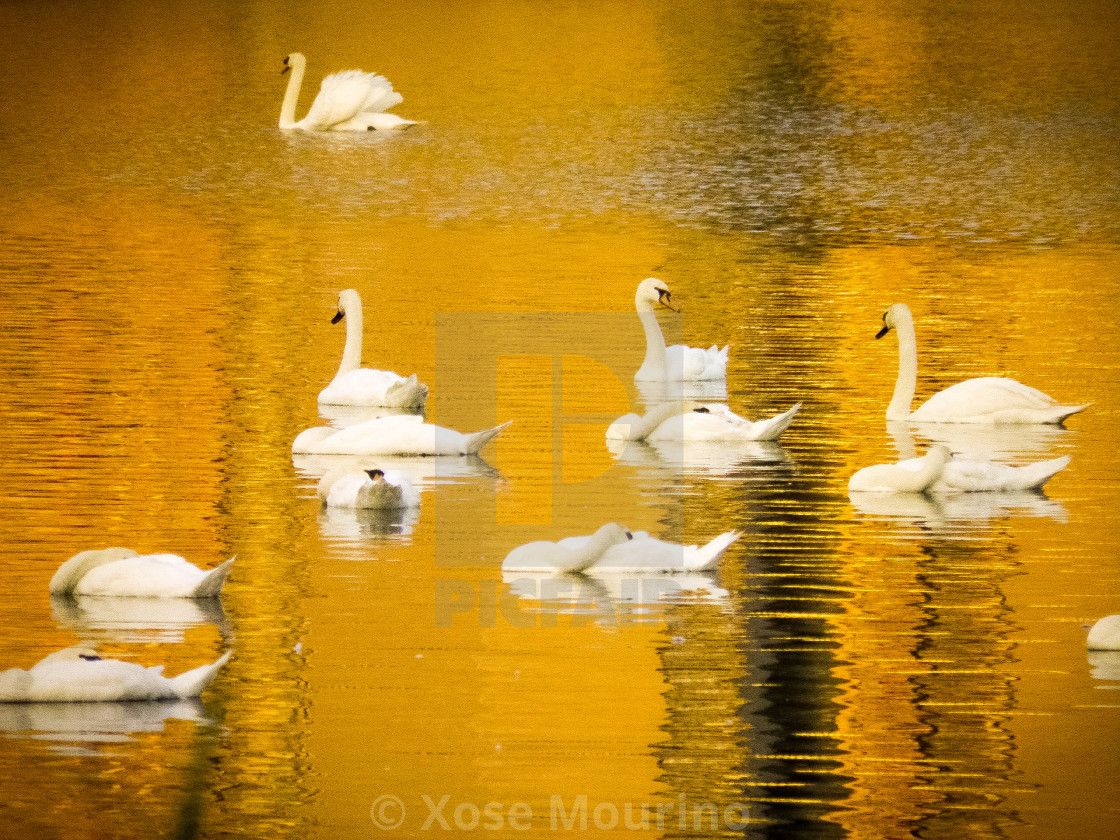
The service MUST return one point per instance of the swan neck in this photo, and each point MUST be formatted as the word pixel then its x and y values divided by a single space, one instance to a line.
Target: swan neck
pixel 653 367
pixel 291 95
pixel 585 556
pixel 907 382
pixel 352 352
pixel 648 422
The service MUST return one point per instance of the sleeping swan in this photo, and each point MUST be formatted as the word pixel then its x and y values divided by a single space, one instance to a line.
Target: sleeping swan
pixel 987 399
pixel 614 550
pixel 347 101
pixel 356 385
pixel 347 487
pixel 123 573
pixel 692 421
pixel 79 675
pixel 679 362
pixel 401 434
pixel 1105 634
pixel 941 472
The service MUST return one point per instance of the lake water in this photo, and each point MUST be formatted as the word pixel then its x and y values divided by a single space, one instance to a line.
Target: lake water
pixel 170 262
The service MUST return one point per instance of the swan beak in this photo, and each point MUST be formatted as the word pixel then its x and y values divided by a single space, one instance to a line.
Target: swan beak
pixel 287 66
pixel 883 331
pixel 338 316
pixel 663 297
pixel 629 536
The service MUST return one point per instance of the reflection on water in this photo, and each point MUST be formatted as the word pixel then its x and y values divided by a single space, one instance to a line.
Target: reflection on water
pixel 857 667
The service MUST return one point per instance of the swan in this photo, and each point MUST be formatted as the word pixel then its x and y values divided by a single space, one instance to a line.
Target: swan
pixel 612 549
pixel 914 475
pixel 1105 634
pixel 123 573
pixel 940 471
pixel 692 421
pixel 356 385
pixel 987 399
pixel 347 101
pixel 347 487
pixel 679 362
pixel 402 434
pixel 77 674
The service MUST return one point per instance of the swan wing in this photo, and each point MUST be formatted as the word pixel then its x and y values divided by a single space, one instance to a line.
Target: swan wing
pixel 144 576
pixel 965 476
pixel 992 399
pixel 361 386
pixel 341 97
pixel 685 363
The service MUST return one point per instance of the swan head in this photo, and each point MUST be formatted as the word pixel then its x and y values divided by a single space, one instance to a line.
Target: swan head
pixel 376 476
pixel 347 299
pixel 293 60
pixel 940 452
pixel 896 314
pixel 653 293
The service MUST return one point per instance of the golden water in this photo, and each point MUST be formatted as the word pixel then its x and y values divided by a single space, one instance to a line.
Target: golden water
pixel 170 262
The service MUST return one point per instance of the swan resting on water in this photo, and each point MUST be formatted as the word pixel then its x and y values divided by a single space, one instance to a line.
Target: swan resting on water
pixel 939 471
pixel 402 434
pixel 356 385
pixel 79 675
pixel 1105 634
pixel 986 399
pixel 348 101
pixel 348 487
pixel 679 363
pixel 613 549
pixel 693 421
pixel 123 573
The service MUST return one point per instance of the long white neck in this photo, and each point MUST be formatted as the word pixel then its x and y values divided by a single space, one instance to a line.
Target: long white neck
pixel 585 557
pixel 907 382
pixel 645 425
pixel 291 95
pixel 352 352
pixel 654 365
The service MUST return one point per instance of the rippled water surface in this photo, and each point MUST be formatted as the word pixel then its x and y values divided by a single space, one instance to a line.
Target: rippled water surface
pixel 857 667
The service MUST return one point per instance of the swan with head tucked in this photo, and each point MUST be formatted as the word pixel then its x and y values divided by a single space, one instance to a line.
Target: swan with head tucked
pixel 401 434
pixel 678 363
pixel 614 550
pixel 986 399
pixel 1105 634
pixel 693 421
pixel 348 101
pixel 356 385
pixel 79 675
pixel 347 487
pixel 123 573
pixel 941 472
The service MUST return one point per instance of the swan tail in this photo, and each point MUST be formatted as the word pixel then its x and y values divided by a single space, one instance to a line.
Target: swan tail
pixel 191 683
pixel 473 443
pixel 211 585
pixel 707 557
pixel 407 393
pixel 1034 476
pixel 772 429
pixel 1069 411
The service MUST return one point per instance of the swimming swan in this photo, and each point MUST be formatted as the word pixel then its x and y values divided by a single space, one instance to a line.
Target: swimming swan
pixel 347 487
pixel 939 471
pixel 679 362
pixel 401 434
pixel 693 421
pixel 1105 634
pixel 987 399
pixel 612 549
pixel 356 385
pixel 347 101
pixel 123 573
pixel 79 675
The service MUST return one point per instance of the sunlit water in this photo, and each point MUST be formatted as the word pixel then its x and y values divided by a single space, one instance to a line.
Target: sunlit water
pixel 881 667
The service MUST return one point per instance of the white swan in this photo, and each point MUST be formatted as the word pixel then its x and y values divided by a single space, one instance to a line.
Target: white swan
pixel 347 101
pixel 914 475
pixel 77 674
pixel 403 434
pixel 939 471
pixel 612 549
pixel 1105 634
pixel 692 421
pixel 356 385
pixel 347 487
pixel 987 399
pixel 679 362
pixel 123 573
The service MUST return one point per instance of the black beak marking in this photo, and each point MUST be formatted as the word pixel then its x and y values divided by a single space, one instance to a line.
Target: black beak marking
pixel 338 316
pixel 375 474
pixel 883 331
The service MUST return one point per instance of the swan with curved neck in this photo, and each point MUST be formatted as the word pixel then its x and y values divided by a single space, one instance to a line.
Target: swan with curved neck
pixel 124 573
pixel 693 421
pixel 356 385
pixel 573 554
pixel 986 399
pixel 678 363
pixel 348 101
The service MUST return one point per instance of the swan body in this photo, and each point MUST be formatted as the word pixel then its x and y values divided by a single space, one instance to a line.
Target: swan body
pixel 914 475
pixel 402 434
pixel 939 471
pixel 986 399
pixel 691 421
pixel 77 674
pixel 678 363
pixel 613 550
pixel 123 573
pixel 347 101
pixel 356 385
pixel 347 487
pixel 1105 634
